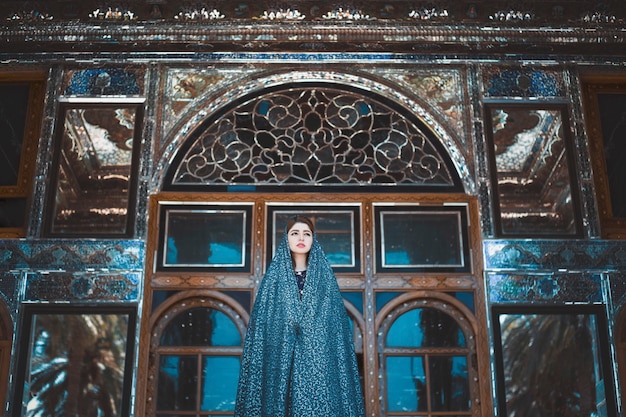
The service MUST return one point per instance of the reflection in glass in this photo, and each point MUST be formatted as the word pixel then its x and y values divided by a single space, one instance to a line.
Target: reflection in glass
pixel 425 327
pixel 422 238
pixel 412 239
pixel 532 168
pixel 77 365
pixel 197 371
pixel 94 178
pixel 220 375
pixel 613 119
pixel 551 365
pixel 205 238
pixel 334 230
pixel 406 384
pixel 449 386
pixel 426 365
pixel 201 327
pixel 178 381
pixel 13 108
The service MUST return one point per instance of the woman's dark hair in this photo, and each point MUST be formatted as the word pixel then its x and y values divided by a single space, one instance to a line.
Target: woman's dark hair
pixel 300 219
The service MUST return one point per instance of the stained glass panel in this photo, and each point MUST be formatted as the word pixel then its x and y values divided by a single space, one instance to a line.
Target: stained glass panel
pixel 313 136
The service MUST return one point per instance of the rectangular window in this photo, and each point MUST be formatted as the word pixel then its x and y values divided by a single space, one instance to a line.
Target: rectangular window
pixel 553 358
pixel 605 108
pixel 336 228
pixel 94 182
pixel 21 107
pixel 532 170
pixel 421 238
pixel 73 355
pixel 215 237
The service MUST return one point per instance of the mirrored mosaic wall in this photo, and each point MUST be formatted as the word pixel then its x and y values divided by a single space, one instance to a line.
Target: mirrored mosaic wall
pixel 117 130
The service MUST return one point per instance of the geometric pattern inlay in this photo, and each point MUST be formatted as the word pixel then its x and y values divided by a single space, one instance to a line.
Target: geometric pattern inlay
pixel 442 90
pixel 72 255
pixel 313 135
pixel 589 255
pixel 63 286
pixel 546 288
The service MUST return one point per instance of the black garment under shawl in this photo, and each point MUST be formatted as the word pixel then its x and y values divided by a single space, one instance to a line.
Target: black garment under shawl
pixel 298 357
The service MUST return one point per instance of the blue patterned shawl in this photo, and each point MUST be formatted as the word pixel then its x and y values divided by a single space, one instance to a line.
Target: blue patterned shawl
pixel 298 357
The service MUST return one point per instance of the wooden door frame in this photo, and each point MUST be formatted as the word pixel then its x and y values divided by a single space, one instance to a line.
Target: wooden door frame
pixel 361 281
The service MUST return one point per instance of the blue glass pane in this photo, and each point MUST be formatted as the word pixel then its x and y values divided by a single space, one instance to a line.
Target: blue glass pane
pixel 406 384
pixel 425 327
pixel 421 239
pixel 215 238
pixel 225 333
pixel 220 375
pixel 384 297
pixel 333 228
pixel 467 298
pixel 177 384
pixel 356 298
pixel 201 327
pixel 449 384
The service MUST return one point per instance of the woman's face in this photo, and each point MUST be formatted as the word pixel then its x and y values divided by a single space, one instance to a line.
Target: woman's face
pixel 300 238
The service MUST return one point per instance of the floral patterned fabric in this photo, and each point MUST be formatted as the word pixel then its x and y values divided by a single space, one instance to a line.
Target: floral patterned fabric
pixel 298 358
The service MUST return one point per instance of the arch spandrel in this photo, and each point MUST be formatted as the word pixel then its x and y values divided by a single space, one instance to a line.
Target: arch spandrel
pixel 422 153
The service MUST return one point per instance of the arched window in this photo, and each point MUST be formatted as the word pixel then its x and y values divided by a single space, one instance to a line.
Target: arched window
pixel 196 353
pixel 356 322
pixel 195 356
pixel 312 134
pixel 369 159
pixel 426 346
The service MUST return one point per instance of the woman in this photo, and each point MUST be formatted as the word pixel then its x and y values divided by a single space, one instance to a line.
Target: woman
pixel 298 358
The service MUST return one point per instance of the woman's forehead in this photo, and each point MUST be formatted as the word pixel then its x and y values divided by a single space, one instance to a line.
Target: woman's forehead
pixel 300 226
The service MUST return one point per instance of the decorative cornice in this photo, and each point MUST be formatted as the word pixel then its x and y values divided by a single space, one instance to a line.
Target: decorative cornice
pixel 326 36
pixel 555 255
